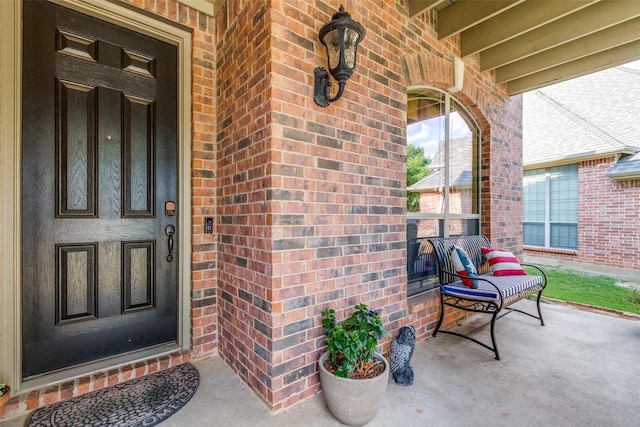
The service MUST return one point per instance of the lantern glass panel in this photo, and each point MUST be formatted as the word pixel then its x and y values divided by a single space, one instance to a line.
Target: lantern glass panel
pixel 332 41
pixel 350 45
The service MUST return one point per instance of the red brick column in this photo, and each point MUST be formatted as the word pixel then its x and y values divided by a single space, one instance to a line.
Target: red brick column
pixel 311 201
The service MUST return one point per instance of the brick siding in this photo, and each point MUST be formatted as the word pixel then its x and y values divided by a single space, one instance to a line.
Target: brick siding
pixel 311 200
pixel 607 212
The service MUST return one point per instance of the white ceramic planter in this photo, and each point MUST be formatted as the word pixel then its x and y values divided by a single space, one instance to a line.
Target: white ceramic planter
pixel 353 402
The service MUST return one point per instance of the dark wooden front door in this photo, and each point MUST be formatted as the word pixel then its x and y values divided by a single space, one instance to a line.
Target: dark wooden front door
pixel 99 154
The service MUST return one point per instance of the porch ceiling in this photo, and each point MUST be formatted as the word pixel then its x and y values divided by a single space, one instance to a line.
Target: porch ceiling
pixel 534 43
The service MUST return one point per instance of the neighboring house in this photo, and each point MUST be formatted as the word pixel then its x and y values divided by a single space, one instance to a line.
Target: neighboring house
pixel 171 191
pixel 460 183
pixel 582 170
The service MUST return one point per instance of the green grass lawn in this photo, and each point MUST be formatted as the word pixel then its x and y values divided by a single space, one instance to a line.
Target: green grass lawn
pixel 600 291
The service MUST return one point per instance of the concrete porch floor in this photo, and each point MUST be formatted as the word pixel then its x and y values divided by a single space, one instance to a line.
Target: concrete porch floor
pixel 582 369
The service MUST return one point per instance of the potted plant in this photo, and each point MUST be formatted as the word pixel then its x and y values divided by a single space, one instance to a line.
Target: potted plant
pixel 5 392
pixel 353 376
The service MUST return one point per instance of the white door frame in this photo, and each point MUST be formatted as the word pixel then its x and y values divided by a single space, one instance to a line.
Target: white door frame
pixel 10 182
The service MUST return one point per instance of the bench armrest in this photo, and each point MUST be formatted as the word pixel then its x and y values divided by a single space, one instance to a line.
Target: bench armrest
pixel 544 276
pixel 482 279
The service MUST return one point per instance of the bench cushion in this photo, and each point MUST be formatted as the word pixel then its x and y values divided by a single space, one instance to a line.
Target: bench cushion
pixel 511 288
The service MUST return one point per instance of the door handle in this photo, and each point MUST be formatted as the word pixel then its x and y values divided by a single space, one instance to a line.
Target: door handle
pixel 170 230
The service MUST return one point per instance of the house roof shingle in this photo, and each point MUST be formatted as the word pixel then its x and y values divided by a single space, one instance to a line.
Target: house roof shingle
pixel 588 117
pixel 628 167
pixel 460 175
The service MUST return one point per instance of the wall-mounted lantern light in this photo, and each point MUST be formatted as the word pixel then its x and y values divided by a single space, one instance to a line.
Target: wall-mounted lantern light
pixel 341 37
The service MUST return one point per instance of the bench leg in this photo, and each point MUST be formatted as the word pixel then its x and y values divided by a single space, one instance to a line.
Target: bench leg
pixel 435 332
pixel 494 348
pixel 539 312
pixel 493 336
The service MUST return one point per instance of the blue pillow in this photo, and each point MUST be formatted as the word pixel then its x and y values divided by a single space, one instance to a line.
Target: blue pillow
pixel 464 267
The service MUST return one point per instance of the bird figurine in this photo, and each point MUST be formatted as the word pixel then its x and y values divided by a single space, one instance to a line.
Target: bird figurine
pixel 401 351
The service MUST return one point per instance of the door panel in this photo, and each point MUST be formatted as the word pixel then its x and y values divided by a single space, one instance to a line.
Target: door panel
pixel 137 144
pixel 76 147
pixel 99 161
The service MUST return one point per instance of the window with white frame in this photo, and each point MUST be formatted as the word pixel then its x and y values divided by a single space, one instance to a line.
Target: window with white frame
pixel 551 207
pixel 445 201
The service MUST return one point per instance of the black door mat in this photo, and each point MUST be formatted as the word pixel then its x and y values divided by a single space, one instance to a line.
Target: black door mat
pixel 144 401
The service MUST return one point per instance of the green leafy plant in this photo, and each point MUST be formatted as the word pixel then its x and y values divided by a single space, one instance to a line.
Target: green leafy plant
pixel 417 168
pixel 3 389
pixel 352 343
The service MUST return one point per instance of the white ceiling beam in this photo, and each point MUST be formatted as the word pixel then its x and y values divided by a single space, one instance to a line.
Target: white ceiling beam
pixel 416 7
pixel 205 6
pixel 464 14
pixel 600 61
pixel 597 42
pixel 514 22
pixel 217 5
pixel 585 21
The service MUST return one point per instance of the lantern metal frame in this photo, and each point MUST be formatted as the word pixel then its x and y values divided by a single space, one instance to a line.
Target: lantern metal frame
pixel 341 21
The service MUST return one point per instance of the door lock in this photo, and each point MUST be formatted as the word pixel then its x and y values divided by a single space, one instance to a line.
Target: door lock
pixel 169 208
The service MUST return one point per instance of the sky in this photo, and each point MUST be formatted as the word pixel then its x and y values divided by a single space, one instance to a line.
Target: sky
pixel 427 133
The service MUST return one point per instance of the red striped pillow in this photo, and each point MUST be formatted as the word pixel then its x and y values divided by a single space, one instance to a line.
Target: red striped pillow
pixel 503 263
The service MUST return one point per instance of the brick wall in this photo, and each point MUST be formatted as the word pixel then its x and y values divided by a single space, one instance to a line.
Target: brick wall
pixel 243 167
pixel 311 200
pixel 608 212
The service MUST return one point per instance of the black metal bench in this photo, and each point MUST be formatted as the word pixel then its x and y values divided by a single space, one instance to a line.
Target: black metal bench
pixel 494 293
